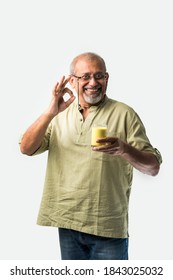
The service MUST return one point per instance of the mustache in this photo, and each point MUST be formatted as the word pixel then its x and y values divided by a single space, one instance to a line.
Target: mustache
pixel 94 87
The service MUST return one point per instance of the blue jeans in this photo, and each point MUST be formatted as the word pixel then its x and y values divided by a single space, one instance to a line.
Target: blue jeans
pixel 77 245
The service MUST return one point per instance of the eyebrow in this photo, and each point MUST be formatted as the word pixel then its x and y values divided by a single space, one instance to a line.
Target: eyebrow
pixel 89 73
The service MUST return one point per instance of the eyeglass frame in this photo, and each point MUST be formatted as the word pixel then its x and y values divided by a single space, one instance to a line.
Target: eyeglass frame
pixel 105 75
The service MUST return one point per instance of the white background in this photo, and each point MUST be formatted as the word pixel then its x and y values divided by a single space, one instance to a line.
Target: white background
pixel 39 38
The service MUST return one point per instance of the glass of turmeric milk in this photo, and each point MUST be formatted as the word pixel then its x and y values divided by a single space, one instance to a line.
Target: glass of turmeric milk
pixel 98 131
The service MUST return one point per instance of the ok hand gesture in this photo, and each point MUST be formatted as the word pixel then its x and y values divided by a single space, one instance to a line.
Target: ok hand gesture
pixel 58 104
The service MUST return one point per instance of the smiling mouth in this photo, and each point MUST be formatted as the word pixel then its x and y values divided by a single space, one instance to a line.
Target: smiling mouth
pixel 93 96
pixel 92 92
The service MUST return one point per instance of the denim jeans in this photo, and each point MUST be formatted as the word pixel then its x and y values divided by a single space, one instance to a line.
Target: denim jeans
pixel 75 245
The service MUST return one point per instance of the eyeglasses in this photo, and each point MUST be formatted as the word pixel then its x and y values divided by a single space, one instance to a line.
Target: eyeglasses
pixel 97 76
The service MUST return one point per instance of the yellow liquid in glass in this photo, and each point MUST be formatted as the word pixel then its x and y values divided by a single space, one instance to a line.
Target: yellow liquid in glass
pixel 98 132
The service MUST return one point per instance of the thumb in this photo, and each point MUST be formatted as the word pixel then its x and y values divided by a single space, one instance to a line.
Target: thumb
pixel 70 100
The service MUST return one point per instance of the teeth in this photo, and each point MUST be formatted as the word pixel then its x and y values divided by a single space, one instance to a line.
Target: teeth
pixel 92 90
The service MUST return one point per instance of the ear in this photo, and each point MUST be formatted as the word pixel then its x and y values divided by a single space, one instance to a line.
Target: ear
pixel 72 81
pixel 107 76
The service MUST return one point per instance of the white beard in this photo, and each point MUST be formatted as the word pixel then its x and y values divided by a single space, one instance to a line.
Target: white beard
pixel 92 100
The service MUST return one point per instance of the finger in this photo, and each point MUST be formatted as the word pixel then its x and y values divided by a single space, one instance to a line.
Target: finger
pixel 105 149
pixel 54 91
pixel 67 90
pixel 59 87
pixel 60 83
pixel 66 80
pixel 63 81
pixel 101 140
pixel 110 140
pixel 70 100
pixel 110 145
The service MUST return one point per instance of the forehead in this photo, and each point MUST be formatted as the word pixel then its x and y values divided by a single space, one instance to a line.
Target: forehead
pixel 89 66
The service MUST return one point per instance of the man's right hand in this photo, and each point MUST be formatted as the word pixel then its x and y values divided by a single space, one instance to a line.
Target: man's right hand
pixel 34 135
pixel 58 104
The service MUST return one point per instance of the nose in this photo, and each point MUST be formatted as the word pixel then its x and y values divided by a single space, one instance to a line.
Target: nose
pixel 92 81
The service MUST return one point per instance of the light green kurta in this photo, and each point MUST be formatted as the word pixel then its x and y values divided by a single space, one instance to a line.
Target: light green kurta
pixel 85 190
